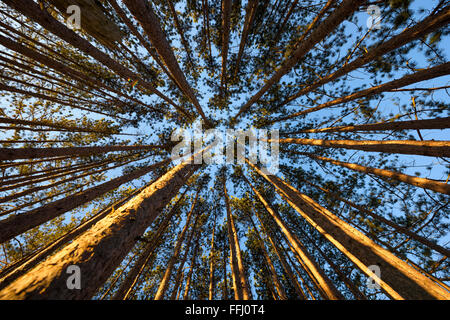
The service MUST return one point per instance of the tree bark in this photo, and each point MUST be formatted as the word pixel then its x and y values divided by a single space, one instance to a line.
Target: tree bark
pixel 130 280
pixel 99 250
pixel 426 26
pixel 164 284
pixel 316 272
pixel 427 74
pixel 17 224
pixel 346 8
pixel 143 12
pixel 398 280
pixel 31 153
pixel 425 148
pixel 387 174
pixel 237 261
pixel 437 123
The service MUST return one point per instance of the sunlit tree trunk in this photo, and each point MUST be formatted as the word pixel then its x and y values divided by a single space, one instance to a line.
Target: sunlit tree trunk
pixel 237 261
pixel 387 174
pixel 425 148
pixel 164 284
pixel 437 123
pixel 317 273
pixel 130 280
pixel 398 280
pixel 422 75
pixel 426 26
pixel 100 250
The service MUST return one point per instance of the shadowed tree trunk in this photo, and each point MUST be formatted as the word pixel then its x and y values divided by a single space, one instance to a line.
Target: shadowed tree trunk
pixel 31 153
pixel 32 10
pixel 143 12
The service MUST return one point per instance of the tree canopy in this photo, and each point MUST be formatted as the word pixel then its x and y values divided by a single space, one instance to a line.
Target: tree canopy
pixel 353 93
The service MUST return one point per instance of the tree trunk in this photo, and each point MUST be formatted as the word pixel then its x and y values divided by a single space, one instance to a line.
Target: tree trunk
pixel 437 123
pixel 226 17
pixel 393 225
pixel 191 270
pixel 18 224
pixel 32 10
pixel 423 148
pixel 31 153
pixel 187 248
pixel 250 12
pixel 426 26
pixel 317 273
pixel 211 265
pixel 24 265
pixel 276 281
pixel 98 251
pixel 143 12
pixel 398 280
pixel 164 284
pixel 244 292
pixel 129 282
pixel 387 174
pixel 346 8
pixel 427 74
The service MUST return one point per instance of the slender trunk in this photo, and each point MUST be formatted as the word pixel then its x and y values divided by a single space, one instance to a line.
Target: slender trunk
pixel 143 12
pixel 317 273
pixel 427 74
pixel 403 230
pixel 24 265
pixel 51 124
pixel 285 20
pixel 180 31
pixel 98 251
pixel 225 277
pixel 424 148
pixel 129 282
pixel 399 280
pixel 191 270
pixel 211 265
pixel 226 17
pixel 187 248
pixel 164 284
pixel 275 280
pixel 32 10
pixel 31 153
pixel 437 123
pixel 387 174
pixel 5 87
pixel 426 26
pixel 241 280
pixel 350 285
pixel 17 224
pixel 346 8
pixel 250 12
pixel 287 269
